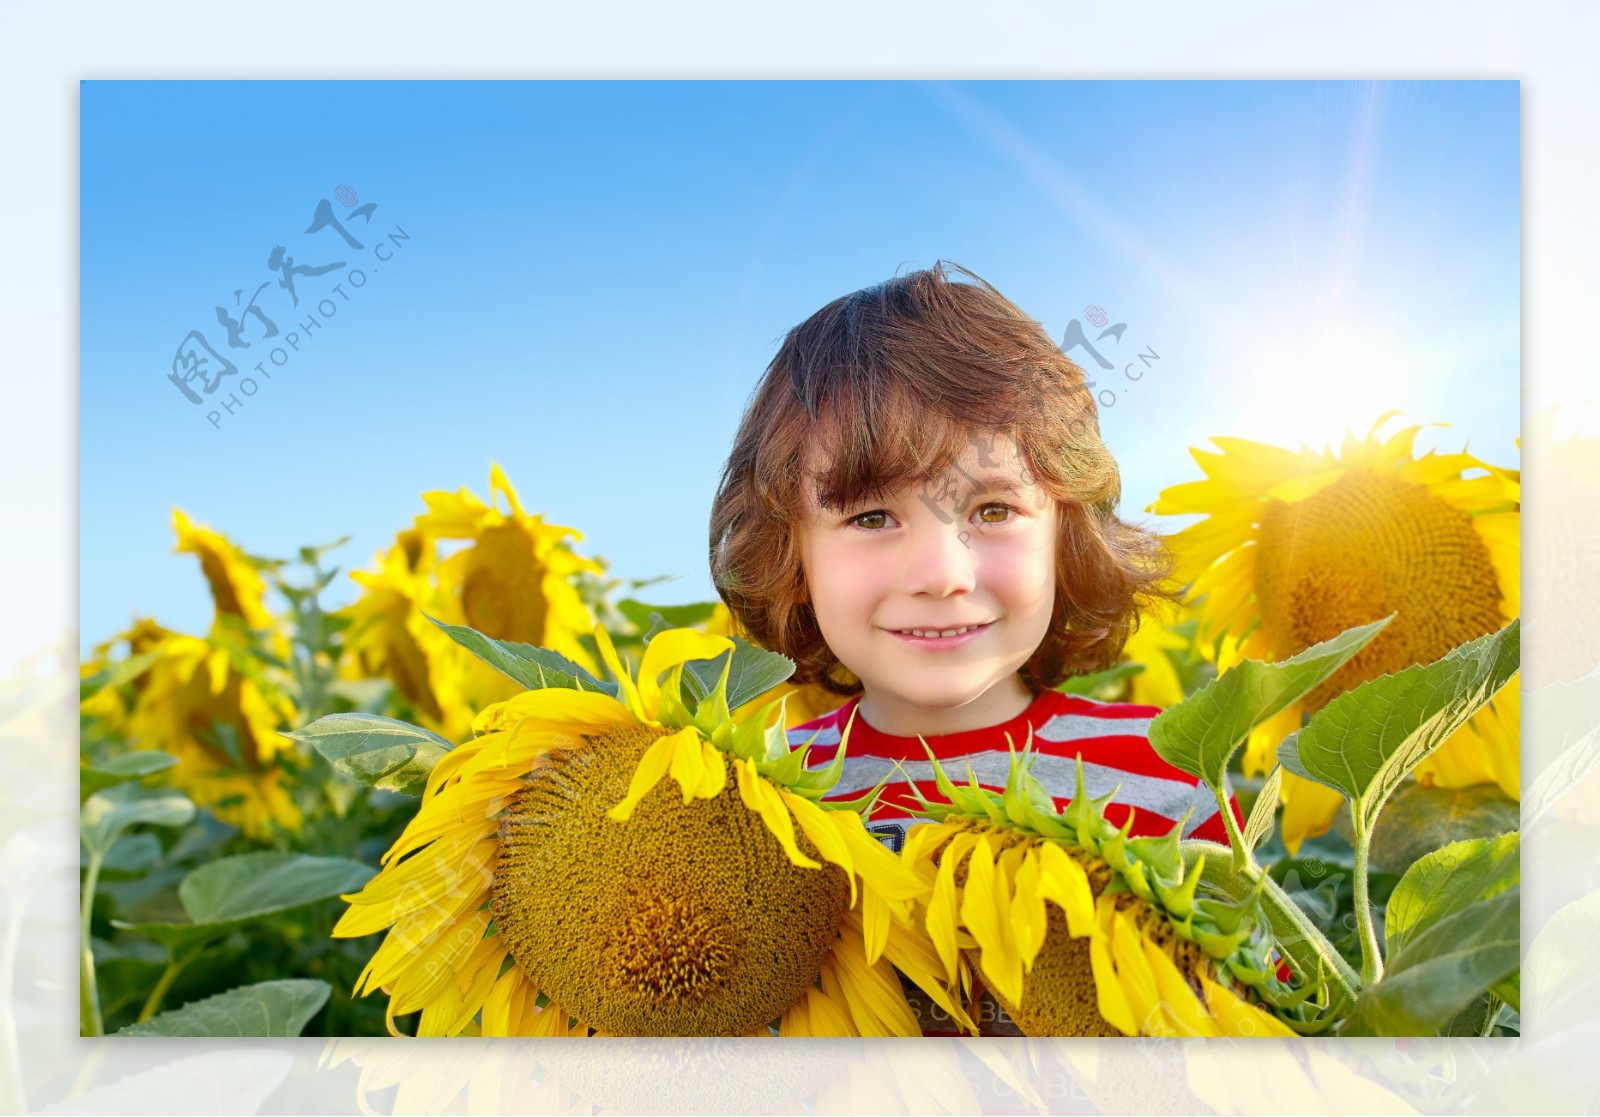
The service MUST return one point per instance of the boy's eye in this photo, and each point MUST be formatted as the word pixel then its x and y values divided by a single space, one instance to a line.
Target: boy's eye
pixel 879 519
pixel 872 521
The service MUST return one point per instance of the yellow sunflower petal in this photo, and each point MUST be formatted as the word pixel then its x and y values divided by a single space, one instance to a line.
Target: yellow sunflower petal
pixel 818 825
pixel 1110 998
pixel 653 765
pixel 697 766
pixel 549 1021
pixel 428 970
pixel 762 798
pixel 941 917
pixel 1236 1017
pixel 1308 809
pixel 496 1019
pixel 1261 746
pixel 670 649
pixel 581 710
pixel 630 692
pixel 1184 1013
pixel 913 955
pixel 985 910
pixel 872 991
pixel 1138 980
pixel 1065 883
pixel 1028 924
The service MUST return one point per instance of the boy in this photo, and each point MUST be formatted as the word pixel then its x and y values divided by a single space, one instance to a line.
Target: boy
pixel 918 510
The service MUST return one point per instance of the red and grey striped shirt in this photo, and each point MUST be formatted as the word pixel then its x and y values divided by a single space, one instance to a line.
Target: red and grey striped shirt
pixel 1112 738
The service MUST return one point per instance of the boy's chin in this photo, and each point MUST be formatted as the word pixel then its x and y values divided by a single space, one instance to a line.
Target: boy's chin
pixel 939 698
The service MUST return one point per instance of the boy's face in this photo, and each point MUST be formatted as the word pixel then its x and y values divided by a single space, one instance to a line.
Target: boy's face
pixel 974 548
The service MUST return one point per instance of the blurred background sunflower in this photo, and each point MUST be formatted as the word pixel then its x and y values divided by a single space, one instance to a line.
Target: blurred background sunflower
pixel 515 579
pixel 1297 546
pixel 215 702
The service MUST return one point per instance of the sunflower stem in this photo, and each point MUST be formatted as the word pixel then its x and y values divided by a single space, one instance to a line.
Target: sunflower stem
pixel 1242 858
pixel 152 1004
pixel 90 1022
pixel 1371 957
pixel 1292 930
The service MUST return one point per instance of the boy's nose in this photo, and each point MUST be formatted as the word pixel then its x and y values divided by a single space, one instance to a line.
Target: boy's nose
pixel 941 563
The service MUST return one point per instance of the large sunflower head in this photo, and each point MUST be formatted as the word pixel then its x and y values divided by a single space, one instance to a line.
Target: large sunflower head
pixel 1298 546
pixel 640 863
pixel 1081 930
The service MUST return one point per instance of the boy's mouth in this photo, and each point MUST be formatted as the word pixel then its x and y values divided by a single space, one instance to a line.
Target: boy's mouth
pixel 940 637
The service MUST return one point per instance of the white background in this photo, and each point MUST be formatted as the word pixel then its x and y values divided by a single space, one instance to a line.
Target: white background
pixel 45 49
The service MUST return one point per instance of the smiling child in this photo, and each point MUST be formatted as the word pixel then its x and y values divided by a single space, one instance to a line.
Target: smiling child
pixel 919 511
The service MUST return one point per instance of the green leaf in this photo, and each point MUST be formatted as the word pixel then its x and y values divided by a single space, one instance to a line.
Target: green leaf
pixel 106 814
pixel 224 894
pixel 673 616
pixel 255 884
pixel 754 672
pixel 1510 991
pixel 131 856
pixel 1449 881
pixel 1263 811
pixel 534 668
pixel 1476 1020
pixel 1097 683
pixel 272 1008
pixel 1418 820
pixel 1201 733
pixel 122 769
pixel 1442 971
pixel 376 751
pixel 123 671
pixel 1363 743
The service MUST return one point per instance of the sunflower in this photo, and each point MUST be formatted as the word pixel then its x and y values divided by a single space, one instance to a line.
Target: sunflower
pixel 557 881
pixel 233 577
pixel 214 702
pixel 1158 684
pixel 514 581
pixel 391 637
pixel 111 704
pixel 208 702
pixel 1299 546
pixel 1080 930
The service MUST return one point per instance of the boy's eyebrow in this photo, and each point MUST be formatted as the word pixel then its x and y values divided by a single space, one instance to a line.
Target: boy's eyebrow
pixel 986 483
pixel 997 483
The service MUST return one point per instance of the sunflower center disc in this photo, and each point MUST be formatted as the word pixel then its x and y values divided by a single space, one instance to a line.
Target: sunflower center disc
pixel 684 920
pixel 501 596
pixel 1368 545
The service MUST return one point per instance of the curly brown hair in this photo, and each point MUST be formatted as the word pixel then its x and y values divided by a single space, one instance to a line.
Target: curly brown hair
pixel 891 384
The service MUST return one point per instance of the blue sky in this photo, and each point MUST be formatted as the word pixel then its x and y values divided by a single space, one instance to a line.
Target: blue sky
pixel 597 273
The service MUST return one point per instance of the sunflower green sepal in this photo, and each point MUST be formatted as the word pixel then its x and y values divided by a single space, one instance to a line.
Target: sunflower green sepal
pixel 1037 882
